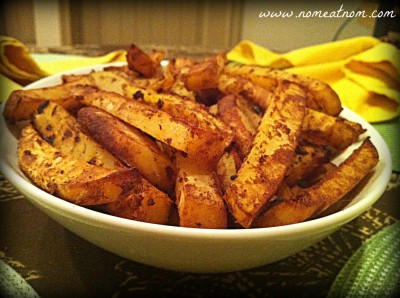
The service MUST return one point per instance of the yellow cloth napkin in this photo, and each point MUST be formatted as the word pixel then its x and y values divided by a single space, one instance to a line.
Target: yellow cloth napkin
pixel 17 64
pixel 364 71
pixel 6 87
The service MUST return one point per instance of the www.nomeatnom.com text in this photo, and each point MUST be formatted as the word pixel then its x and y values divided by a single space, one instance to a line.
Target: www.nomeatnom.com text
pixel 340 13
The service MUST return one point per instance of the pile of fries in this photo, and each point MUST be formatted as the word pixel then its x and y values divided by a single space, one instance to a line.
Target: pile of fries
pixel 204 144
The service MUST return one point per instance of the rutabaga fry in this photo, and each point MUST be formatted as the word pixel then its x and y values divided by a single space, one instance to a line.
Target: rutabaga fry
pixel 62 175
pixel 231 113
pixel 60 129
pixel 142 63
pixel 197 142
pixel 339 133
pixel 192 111
pixel 317 198
pixel 123 192
pixel 198 196
pixel 307 157
pixel 319 96
pixel 227 167
pixel 130 145
pixel 274 144
pixel 144 202
pixel 21 104
pixel 244 87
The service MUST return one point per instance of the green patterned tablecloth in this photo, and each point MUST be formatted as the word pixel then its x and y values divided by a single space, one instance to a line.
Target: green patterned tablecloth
pixel 374 269
pixel 56 262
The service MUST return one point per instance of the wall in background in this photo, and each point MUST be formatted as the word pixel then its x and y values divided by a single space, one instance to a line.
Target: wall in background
pixel 17 20
pixel 284 34
pixel 204 23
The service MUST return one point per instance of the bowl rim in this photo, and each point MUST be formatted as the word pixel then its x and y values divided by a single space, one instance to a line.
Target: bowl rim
pixel 92 217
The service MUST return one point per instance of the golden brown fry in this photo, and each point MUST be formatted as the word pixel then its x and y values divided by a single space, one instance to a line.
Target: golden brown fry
pixel 22 104
pixel 198 196
pixel 307 158
pixel 157 56
pixel 81 79
pixel 201 144
pixel 317 128
pixel 283 191
pixel 47 166
pixel 143 203
pixel 140 62
pixel 317 198
pixel 71 179
pixel 320 128
pixel 123 71
pixel 60 129
pixel 319 96
pixel 193 112
pixel 204 75
pixel 178 66
pixel 130 145
pixel 230 111
pixel 316 175
pixel 125 192
pixel 244 87
pixel 88 191
pixel 115 81
pixel 264 168
pixel 227 167
pixel 108 81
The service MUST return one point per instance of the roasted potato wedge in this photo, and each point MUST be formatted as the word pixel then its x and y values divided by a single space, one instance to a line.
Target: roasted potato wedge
pixel 140 62
pixel 123 71
pixel 21 104
pixel 319 96
pixel 199 143
pixel 198 196
pixel 337 132
pixel 193 112
pixel 317 198
pixel 231 111
pixel 113 81
pixel 178 66
pixel 227 167
pixel 81 79
pixel 204 75
pixel 264 168
pixel 307 157
pixel 246 88
pixel 319 127
pixel 315 175
pixel 178 88
pixel 60 129
pixel 124 192
pixel 64 176
pixel 144 203
pixel 131 146
pixel 108 81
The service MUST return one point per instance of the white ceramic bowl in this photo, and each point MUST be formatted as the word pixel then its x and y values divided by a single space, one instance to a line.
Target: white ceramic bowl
pixel 190 249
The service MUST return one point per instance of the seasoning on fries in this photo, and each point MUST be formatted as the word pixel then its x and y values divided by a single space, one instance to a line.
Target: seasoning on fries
pixel 201 144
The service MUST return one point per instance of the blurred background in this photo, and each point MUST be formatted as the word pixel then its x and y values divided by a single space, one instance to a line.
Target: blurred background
pixel 202 25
